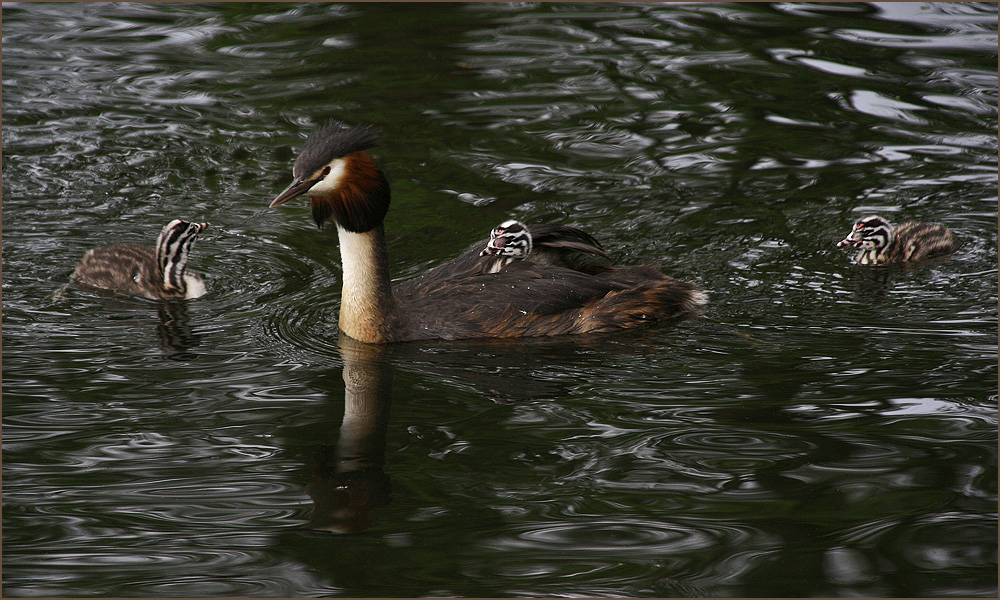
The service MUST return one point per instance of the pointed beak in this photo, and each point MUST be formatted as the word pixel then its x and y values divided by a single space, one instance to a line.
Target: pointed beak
pixel 848 241
pixel 202 226
pixel 297 188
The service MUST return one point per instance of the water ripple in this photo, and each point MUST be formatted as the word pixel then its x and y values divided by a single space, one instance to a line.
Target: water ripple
pixel 821 422
pixel 624 537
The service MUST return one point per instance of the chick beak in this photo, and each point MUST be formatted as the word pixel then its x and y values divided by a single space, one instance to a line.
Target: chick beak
pixel 297 188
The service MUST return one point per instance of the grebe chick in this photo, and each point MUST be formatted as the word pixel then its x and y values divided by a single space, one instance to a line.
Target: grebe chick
pixel 158 274
pixel 549 244
pixel 464 298
pixel 883 243
pixel 509 239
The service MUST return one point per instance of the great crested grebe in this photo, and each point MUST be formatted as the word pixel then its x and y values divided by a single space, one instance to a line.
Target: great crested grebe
pixel 159 274
pixel 883 243
pixel 466 297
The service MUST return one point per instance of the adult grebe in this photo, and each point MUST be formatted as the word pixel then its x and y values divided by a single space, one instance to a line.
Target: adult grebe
pixel 882 243
pixel 467 297
pixel 159 274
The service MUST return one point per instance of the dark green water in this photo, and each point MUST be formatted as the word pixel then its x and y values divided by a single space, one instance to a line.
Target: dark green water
pixel 826 430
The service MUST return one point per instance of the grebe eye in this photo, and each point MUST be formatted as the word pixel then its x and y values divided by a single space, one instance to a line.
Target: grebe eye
pixel 326 171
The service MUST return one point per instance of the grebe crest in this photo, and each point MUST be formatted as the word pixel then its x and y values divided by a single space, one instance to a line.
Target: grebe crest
pixel 341 180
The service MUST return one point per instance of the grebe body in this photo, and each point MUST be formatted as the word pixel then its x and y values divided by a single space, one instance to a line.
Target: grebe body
pixel 882 243
pixel 158 273
pixel 545 292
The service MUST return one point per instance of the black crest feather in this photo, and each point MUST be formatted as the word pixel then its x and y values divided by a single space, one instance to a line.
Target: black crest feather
pixel 333 140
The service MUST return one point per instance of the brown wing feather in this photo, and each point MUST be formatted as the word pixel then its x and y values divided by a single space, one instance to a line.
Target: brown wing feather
pixel 553 292
pixel 466 264
pixel 916 241
pixel 528 300
pixel 552 244
pixel 562 237
pixel 127 268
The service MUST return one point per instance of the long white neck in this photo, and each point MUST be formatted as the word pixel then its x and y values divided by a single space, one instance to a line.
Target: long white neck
pixel 367 307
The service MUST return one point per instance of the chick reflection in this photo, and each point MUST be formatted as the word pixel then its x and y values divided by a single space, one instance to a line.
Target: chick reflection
pixel 876 281
pixel 174 331
pixel 349 485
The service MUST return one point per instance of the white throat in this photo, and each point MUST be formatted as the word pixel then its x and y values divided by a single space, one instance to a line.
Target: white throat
pixel 366 304
pixel 357 254
pixel 195 286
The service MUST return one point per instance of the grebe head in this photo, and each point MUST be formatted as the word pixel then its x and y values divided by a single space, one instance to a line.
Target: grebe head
pixel 870 233
pixel 172 248
pixel 341 179
pixel 510 239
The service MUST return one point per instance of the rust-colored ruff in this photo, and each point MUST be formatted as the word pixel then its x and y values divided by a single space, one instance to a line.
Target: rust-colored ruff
pixel 361 199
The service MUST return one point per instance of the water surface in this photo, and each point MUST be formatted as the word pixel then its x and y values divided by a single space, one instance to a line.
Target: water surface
pixel 824 430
